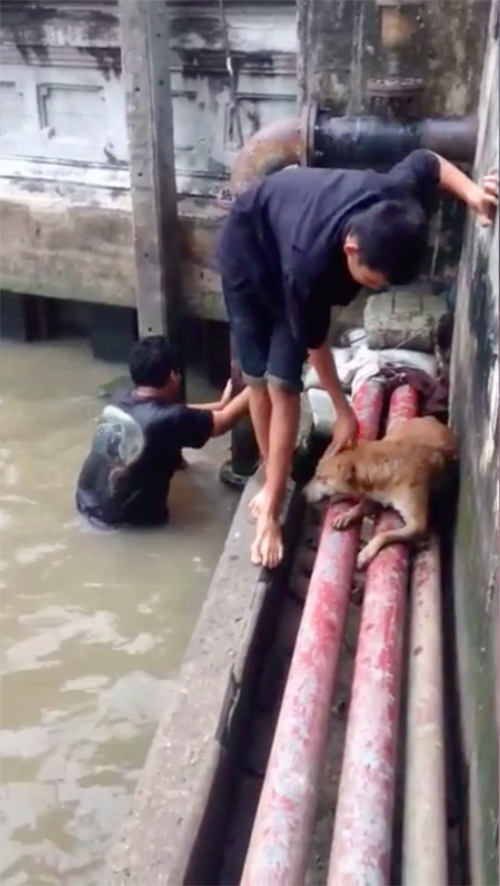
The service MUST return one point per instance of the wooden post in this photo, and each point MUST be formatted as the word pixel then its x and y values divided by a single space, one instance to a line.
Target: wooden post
pixel 145 47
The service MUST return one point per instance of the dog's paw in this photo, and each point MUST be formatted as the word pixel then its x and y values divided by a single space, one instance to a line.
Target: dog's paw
pixel 343 521
pixel 366 555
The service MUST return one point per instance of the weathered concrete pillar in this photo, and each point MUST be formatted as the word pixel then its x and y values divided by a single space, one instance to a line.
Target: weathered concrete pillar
pixel 145 47
pixel 475 416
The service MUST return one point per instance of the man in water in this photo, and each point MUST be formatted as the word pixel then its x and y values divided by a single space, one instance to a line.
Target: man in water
pixel 297 243
pixel 137 444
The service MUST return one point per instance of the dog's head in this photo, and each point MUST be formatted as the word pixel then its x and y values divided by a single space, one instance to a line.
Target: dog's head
pixel 335 477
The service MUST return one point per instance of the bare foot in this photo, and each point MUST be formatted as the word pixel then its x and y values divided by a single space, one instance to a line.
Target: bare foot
pixel 267 549
pixel 255 505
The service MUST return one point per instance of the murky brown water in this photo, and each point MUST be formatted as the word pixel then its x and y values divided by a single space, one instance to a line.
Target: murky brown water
pixel 93 625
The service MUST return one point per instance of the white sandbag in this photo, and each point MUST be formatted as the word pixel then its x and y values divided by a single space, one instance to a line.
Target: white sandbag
pixel 357 338
pixel 322 408
pixel 361 363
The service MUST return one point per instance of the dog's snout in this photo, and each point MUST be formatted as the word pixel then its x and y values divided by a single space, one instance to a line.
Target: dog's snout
pixel 316 490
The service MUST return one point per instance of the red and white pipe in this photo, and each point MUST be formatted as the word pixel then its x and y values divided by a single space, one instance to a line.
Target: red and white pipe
pixel 424 841
pixel 282 829
pixel 361 847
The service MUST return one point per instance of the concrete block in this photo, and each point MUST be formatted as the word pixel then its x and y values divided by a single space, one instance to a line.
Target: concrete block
pixel 403 318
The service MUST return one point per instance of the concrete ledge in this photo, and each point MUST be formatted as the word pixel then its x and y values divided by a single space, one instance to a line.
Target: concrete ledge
pixel 173 832
pixel 83 251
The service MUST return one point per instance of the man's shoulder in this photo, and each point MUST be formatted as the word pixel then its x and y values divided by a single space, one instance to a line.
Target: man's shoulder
pixel 176 425
pixel 174 412
pixel 419 167
pixel 123 398
pixel 174 417
pixel 182 412
pixel 150 407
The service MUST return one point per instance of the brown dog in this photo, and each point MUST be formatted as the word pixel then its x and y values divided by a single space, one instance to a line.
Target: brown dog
pixel 395 472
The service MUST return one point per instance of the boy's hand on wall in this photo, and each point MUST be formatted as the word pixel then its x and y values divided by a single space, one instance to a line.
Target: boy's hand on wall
pixel 486 202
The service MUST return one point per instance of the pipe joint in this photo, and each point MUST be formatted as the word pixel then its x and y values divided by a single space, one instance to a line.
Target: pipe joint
pixel 321 139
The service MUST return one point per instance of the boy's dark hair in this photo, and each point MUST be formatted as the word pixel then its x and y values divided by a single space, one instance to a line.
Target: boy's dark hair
pixel 392 238
pixel 152 362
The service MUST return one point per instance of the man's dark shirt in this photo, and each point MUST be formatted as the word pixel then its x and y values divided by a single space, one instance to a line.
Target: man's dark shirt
pixel 136 448
pixel 288 233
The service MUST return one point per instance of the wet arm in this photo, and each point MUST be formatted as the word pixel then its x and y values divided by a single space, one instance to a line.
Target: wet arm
pixel 482 199
pixel 457 183
pixel 219 404
pixel 208 407
pixel 224 419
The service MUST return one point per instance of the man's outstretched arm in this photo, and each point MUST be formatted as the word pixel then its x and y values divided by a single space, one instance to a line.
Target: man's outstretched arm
pixel 482 198
pixel 224 419
pixel 217 405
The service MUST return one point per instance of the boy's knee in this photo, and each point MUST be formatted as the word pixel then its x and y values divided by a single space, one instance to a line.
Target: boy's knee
pixel 255 382
pixel 290 386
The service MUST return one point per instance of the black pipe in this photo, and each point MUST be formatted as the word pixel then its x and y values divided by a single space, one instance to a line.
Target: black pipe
pixel 244 450
pixel 356 142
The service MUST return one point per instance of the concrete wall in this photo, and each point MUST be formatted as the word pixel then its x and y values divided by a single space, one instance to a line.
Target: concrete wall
pixel 475 415
pixel 340 50
pixel 64 179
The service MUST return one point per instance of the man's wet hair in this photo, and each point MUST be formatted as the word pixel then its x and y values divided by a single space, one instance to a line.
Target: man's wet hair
pixel 392 239
pixel 152 361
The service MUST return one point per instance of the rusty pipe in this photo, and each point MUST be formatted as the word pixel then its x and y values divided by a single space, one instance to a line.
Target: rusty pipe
pixel 321 139
pixel 279 844
pixel 361 845
pixel 271 148
pixel 396 28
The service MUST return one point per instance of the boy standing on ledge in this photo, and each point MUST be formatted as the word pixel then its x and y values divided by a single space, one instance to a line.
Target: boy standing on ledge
pixel 294 245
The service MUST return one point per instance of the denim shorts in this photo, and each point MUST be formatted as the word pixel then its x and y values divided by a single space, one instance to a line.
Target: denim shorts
pixel 265 345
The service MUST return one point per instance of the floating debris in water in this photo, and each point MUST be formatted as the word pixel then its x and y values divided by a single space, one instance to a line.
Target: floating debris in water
pixel 107 390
